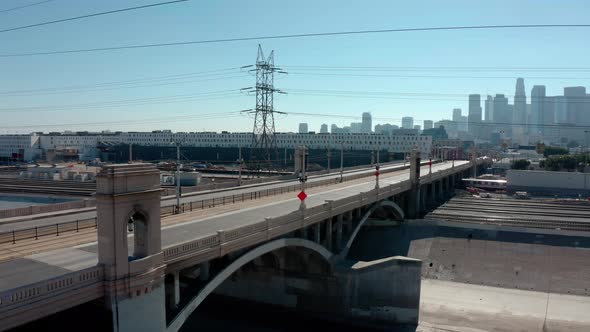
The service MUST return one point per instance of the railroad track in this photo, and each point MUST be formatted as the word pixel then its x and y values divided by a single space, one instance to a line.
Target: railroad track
pixel 552 212
pixel 573 225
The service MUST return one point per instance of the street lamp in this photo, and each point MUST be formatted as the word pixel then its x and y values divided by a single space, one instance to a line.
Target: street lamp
pixel 177 207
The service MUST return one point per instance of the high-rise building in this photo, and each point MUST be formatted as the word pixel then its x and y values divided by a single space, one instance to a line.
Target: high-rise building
pixel 407 122
pixel 463 125
pixel 519 115
pixel 474 115
pixel 576 99
pixel 417 127
pixel 538 104
pixel 324 129
pixel 356 127
pixel 303 128
pixel 456 114
pixel 428 124
pixel 489 109
pixel 367 123
pixel 502 115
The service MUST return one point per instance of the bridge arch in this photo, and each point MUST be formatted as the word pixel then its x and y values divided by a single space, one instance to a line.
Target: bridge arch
pixel 383 208
pixel 184 314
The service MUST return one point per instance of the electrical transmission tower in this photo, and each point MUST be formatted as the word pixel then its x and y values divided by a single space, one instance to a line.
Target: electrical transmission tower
pixel 264 145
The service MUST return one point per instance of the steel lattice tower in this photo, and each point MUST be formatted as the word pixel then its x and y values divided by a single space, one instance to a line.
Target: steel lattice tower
pixel 264 144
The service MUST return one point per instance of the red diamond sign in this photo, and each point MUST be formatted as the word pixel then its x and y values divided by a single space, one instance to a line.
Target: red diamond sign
pixel 376 173
pixel 302 196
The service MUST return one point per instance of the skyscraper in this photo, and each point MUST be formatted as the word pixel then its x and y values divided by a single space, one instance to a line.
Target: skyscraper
pixel 519 116
pixel 474 115
pixel 427 124
pixel 367 125
pixel 502 115
pixel 407 122
pixel 303 128
pixel 538 103
pixel 324 129
pixel 576 99
pixel 456 114
pixel 489 109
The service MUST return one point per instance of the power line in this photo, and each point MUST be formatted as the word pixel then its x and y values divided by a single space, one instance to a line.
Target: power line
pixel 412 95
pixel 169 77
pixel 301 35
pixel 24 6
pixel 481 124
pixel 128 102
pixel 91 15
pixel 436 68
pixel 440 76
pixel 182 118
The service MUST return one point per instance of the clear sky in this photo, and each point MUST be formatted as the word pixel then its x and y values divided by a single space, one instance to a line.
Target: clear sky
pixel 206 81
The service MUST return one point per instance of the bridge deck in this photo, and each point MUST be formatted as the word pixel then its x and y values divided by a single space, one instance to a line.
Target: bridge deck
pixel 53 264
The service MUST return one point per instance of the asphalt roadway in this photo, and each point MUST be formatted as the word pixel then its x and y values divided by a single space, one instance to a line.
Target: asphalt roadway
pixel 205 195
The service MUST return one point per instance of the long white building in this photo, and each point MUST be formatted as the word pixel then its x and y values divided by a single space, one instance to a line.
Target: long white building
pixel 85 144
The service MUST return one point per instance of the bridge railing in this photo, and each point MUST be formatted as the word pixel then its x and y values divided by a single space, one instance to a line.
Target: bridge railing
pixel 47 288
pixel 240 237
pixel 48 230
pixel 78 225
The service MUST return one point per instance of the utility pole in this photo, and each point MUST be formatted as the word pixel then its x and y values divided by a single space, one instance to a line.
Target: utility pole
pixel 372 157
pixel 303 176
pixel 285 158
pixel 177 209
pixel 341 160
pixel 377 171
pixel 130 152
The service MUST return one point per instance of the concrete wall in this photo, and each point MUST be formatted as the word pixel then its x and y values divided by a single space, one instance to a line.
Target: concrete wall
pixel 386 291
pixel 383 290
pixel 539 260
pixel 550 182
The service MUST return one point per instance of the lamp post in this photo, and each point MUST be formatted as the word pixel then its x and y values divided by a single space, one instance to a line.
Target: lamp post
pixel 177 207
pixel 341 160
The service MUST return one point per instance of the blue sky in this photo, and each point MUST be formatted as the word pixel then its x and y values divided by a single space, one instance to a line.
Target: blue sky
pixel 214 94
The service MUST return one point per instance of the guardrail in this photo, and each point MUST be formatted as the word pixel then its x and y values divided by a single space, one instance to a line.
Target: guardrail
pixel 47 230
pixel 77 225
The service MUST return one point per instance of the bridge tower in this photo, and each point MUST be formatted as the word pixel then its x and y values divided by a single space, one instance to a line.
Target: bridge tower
pixel 130 247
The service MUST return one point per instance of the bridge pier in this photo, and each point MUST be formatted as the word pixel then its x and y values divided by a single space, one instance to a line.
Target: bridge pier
pixel 204 271
pixel 423 199
pixel 439 195
pixel 317 233
pixel 173 289
pixel 128 200
pixel 339 226
pixel 329 232
pixel 432 192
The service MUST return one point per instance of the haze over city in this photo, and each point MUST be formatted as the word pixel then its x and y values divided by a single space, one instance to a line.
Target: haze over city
pixel 391 75
pixel 189 165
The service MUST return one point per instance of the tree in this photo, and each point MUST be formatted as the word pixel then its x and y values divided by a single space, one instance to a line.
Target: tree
pixel 568 162
pixel 520 164
pixel 554 151
pixel 540 148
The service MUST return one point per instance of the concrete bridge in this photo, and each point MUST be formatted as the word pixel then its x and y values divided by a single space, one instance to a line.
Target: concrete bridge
pixel 152 278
